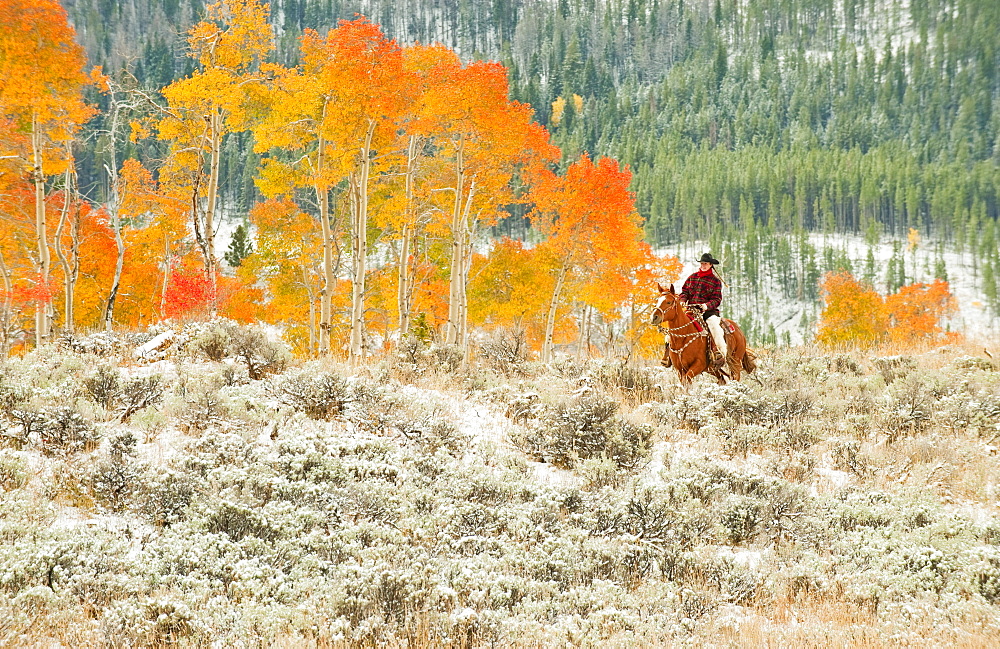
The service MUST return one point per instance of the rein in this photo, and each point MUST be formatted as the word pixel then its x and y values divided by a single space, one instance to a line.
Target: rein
pixel 669 331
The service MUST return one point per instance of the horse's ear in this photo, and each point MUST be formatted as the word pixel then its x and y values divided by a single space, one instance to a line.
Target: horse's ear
pixel 662 290
pixel 671 288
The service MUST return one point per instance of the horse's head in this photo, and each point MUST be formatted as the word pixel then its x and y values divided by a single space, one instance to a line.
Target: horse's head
pixel 668 305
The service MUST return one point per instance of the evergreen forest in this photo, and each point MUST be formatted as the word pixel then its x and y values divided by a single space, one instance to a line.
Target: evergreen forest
pixel 766 131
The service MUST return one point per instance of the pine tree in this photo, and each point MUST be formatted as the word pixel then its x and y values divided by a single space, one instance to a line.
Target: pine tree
pixel 240 247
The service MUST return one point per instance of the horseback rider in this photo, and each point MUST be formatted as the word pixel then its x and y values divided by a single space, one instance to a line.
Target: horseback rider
pixel 703 290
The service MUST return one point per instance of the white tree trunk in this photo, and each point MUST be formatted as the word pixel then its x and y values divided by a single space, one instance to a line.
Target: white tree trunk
pixel 71 264
pixel 312 310
pixel 409 225
pixel 329 281
pixel 115 208
pixel 453 329
pixel 215 121
pixel 550 319
pixel 359 248
pixel 43 262
pixel 5 313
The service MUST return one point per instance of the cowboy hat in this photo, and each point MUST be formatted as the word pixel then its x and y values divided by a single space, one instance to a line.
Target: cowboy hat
pixel 707 257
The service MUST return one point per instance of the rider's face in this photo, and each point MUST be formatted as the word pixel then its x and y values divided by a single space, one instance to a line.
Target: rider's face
pixel 705 266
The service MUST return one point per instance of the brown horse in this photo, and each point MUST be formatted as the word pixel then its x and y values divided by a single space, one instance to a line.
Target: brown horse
pixel 687 345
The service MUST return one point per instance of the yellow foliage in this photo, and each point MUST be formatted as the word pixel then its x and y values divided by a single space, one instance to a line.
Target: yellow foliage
pixel 853 314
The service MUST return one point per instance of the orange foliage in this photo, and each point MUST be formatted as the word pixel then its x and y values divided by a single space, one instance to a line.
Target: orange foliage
pixel 642 278
pixel 283 268
pixel 453 151
pixel 41 73
pixel 854 314
pixel 155 235
pixel 915 312
pixel 592 229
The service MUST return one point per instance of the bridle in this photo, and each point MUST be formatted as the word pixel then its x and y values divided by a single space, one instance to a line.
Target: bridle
pixel 669 331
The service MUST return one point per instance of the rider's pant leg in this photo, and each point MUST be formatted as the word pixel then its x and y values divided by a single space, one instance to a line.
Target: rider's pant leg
pixel 715 326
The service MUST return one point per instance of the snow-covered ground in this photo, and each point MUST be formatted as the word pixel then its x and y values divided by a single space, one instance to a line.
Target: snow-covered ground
pixel 423 504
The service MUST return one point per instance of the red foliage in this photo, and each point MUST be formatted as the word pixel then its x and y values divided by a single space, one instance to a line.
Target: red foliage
pixel 189 294
pixel 34 292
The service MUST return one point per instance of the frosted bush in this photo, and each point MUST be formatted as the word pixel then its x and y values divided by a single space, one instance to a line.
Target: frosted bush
pixel 445 358
pixel 105 343
pixel 13 469
pixel 741 519
pixel 848 456
pixel 103 386
pixel 165 496
pixel 635 384
pixel 206 408
pixel 119 475
pixel 380 524
pixel 247 344
pixel 587 428
pixel 153 622
pixel 973 363
pixel 741 439
pixel 63 431
pixel 845 364
pixel 505 351
pixel 320 396
pixel 986 575
pixel 894 367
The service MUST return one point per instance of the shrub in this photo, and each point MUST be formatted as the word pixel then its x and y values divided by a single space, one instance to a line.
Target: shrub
pixel 237 521
pixel 260 356
pixel 974 363
pixel 894 367
pixel 165 497
pixel 844 364
pixel 587 428
pixel 506 351
pixel 104 386
pixel 319 397
pixel 13 470
pixel 847 456
pixel 741 439
pixel 742 519
pixel 213 343
pixel 986 578
pixel 446 358
pixel 637 384
pixel 205 410
pixel 412 355
pixel 248 344
pixel 62 431
pixel 119 476
pixel 138 393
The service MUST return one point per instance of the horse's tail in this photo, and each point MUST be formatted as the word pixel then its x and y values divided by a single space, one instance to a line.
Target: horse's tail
pixel 749 361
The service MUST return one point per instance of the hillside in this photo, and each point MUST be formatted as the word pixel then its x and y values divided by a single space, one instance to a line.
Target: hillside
pixel 169 498
pixel 744 124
